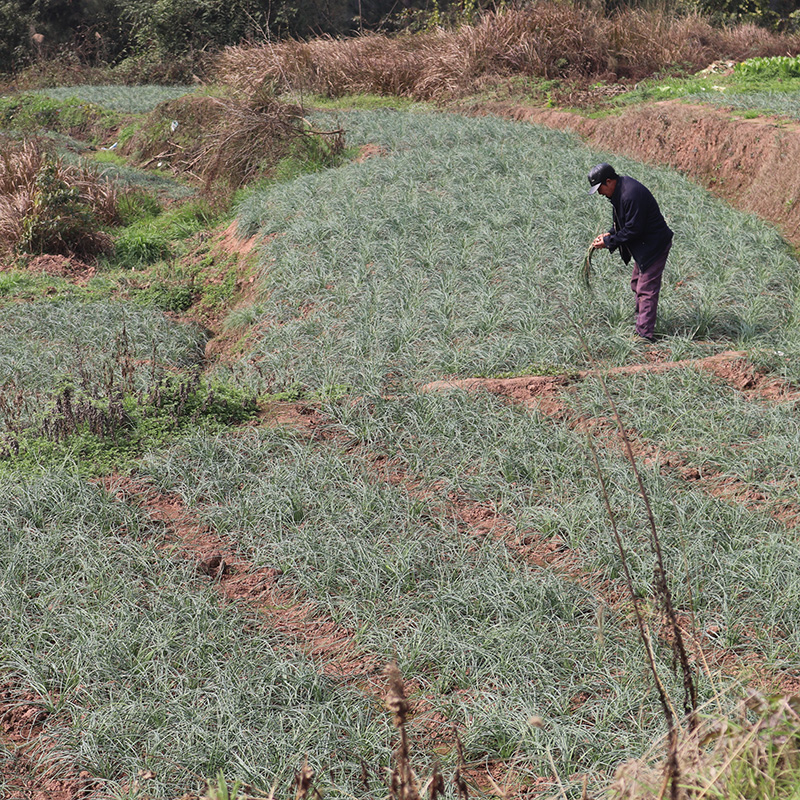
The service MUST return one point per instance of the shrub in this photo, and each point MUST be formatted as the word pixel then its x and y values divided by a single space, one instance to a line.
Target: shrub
pixel 47 206
pixel 229 141
pixel 545 39
pixel 30 113
pixel 141 243
pixel 149 238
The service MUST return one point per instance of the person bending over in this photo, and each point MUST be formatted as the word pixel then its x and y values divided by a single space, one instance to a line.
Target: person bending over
pixel 639 233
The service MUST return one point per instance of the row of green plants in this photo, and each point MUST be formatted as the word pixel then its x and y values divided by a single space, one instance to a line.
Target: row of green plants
pixel 768 68
pixel 755 104
pixel 729 562
pixel 715 427
pixel 490 641
pixel 137 667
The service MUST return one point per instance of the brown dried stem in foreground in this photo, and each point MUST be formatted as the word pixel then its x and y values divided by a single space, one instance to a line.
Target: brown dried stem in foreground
pixel 753 753
pixel 404 784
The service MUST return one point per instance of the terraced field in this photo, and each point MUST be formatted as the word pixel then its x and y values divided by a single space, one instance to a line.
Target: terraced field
pixel 389 459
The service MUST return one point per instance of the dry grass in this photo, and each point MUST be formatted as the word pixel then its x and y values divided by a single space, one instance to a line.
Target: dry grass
pixel 225 142
pixel 752 754
pixel 546 39
pixel 47 206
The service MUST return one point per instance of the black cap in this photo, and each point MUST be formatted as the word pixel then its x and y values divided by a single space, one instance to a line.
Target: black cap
pixel 600 174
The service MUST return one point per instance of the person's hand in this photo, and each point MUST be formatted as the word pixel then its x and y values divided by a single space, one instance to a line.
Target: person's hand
pixel 599 242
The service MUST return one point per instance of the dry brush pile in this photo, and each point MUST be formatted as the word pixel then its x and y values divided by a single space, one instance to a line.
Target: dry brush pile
pixel 229 141
pixel 546 40
pixel 48 206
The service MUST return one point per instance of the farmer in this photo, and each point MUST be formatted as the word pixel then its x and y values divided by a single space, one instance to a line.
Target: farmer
pixel 639 232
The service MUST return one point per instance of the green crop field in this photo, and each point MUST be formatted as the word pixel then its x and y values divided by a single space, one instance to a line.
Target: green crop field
pixel 782 104
pixel 463 536
pixel 458 253
pixel 125 99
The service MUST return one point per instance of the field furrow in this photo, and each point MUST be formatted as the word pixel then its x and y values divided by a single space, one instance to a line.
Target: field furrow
pixel 256 588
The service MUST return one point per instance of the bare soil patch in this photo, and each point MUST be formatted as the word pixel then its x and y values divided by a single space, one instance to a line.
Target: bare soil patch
pixel 28 774
pixel 749 163
pixel 731 366
pixel 69 267
pixel 230 241
pixel 370 150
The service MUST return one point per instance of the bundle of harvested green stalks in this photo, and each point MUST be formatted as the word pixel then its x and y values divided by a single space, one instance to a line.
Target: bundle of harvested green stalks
pixel 586 272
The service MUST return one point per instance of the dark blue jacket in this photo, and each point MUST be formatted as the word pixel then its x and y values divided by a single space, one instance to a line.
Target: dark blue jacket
pixel 639 229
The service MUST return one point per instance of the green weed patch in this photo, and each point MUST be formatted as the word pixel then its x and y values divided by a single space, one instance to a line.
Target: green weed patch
pixel 101 393
pixel 33 113
pixel 152 237
pixel 747 86
pixel 104 430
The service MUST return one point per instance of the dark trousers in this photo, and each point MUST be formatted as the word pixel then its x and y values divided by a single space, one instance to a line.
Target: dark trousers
pixel 646 286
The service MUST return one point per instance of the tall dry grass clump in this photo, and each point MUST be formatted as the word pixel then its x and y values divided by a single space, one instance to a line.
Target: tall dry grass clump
pixel 545 39
pixel 47 206
pixel 226 142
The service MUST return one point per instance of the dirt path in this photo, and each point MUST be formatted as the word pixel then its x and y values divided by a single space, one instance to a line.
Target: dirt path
pixel 731 366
